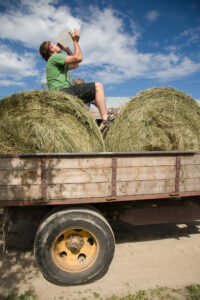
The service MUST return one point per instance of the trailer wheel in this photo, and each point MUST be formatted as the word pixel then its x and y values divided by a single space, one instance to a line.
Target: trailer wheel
pixel 74 246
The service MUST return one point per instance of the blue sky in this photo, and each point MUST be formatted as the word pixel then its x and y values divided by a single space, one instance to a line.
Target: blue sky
pixel 128 45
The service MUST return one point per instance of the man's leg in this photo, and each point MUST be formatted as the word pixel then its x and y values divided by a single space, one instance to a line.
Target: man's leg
pixel 88 92
pixel 100 100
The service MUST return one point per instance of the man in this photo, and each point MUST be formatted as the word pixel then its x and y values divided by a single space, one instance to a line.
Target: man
pixel 56 71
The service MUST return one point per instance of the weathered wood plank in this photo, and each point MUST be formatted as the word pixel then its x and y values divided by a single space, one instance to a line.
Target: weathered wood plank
pixel 20 177
pixel 88 190
pixel 19 163
pixel 77 163
pixel 146 161
pixel 32 192
pixel 189 185
pixel 146 173
pixel 190 160
pixel 190 171
pixel 145 187
pixel 78 175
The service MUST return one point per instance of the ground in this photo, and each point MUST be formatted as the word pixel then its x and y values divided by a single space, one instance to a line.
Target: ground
pixel 145 257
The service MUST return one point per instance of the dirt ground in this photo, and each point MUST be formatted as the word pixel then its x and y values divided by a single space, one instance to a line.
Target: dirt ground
pixel 145 257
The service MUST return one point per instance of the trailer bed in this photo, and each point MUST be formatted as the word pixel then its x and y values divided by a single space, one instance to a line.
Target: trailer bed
pixel 66 178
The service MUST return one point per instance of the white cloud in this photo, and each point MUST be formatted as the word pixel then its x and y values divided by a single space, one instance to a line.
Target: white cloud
pixel 110 53
pixel 183 68
pixel 104 40
pixel 160 67
pixel 35 22
pixel 16 66
pixel 190 36
pixel 152 16
pixel 10 82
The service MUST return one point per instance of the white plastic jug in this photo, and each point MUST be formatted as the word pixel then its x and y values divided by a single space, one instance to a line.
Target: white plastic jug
pixel 64 37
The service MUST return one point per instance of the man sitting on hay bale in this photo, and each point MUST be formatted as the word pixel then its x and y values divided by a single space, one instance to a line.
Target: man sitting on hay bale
pixel 56 71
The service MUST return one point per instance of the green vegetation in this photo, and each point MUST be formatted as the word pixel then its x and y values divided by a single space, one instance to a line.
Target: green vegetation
pixel 96 295
pixel 191 292
pixel 28 295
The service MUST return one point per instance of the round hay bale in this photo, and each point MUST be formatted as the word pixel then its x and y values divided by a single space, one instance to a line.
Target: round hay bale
pixel 154 120
pixel 45 122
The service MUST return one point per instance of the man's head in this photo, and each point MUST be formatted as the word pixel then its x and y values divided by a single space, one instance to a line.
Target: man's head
pixel 48 48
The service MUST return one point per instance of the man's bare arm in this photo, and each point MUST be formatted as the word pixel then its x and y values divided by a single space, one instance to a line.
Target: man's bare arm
pixel 69 52
pixel 66 49
pixel 73 66
pixel 75 58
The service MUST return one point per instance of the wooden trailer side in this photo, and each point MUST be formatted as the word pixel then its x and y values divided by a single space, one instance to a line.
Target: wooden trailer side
pixel 92 178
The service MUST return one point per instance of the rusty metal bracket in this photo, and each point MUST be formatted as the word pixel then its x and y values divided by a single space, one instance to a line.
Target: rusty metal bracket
pixel 114 177
pixel 43 180
pixel 178 171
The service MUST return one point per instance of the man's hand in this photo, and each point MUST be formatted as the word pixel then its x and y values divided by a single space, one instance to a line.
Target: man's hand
pixel 60 46
pixel 76 58
pixel 66 49
pixel 75 36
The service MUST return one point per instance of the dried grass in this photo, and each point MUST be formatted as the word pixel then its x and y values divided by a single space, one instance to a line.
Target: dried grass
pixel 156 119
pixel 43 121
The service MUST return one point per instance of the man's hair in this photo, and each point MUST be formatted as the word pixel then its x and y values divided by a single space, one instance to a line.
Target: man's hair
pixel 44 50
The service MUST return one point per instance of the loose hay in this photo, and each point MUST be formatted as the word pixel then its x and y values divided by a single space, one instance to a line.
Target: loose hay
pixel 43 121
pixel 156 119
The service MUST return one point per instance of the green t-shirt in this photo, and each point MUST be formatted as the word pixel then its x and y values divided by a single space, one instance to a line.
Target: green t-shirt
pixel 56 72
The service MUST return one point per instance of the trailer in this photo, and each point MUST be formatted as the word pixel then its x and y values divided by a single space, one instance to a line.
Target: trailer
pixel 76 195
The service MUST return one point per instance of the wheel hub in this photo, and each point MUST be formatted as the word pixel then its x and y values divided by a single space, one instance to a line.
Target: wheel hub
pixel 74 242
pixel 75 250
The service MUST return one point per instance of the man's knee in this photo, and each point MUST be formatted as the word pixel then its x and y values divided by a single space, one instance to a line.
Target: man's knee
pixel 98 85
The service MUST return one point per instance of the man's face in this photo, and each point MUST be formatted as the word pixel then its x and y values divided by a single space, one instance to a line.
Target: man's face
pixel 54 48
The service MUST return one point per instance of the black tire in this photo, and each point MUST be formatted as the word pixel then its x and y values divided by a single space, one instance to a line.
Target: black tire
pixel 63 265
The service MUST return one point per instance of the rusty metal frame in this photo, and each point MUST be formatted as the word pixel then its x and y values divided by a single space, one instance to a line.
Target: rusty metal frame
pixel 99 200
pixel 114 176
pixel 98 154
pixel 45 201
pixel 113 181
pixel 178 170
pixel 43 180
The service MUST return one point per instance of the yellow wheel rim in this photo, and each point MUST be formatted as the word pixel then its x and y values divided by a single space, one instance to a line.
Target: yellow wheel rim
pixel 75 250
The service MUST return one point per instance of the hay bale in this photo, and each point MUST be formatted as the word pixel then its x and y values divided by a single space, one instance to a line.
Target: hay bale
pixel 154 120
pixel 43 121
